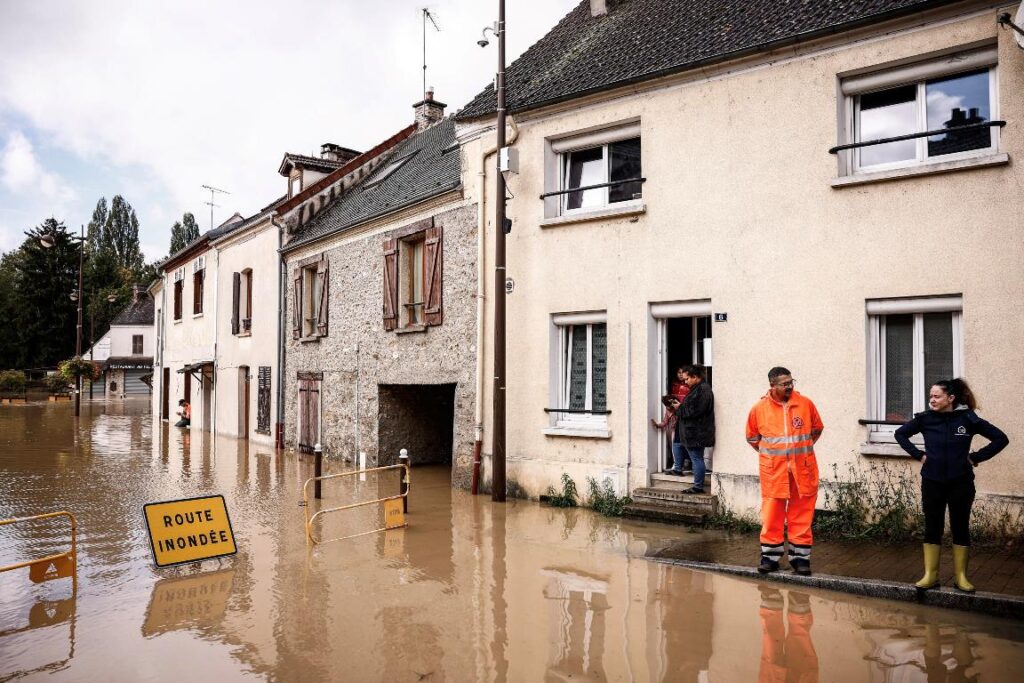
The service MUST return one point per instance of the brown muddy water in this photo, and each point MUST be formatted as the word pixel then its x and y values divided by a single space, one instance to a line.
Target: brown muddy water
pixel 470 591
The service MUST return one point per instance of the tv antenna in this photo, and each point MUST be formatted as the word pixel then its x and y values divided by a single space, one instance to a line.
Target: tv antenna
pixel 213 191
pixel 427 15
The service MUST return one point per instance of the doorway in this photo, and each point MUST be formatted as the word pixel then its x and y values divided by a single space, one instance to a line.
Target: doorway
pixel 206 381
pixel 165 391
pixel 419 418
pixel 243 402
pixel 680 334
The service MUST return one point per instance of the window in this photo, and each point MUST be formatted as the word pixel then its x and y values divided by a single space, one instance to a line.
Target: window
pixel 136 344
pixel 295 185
pixel 388 170
pixel 179 288
pixel 198 275
pixel 581 370
pixel 605 169
pixel 241 302
pixel 414 280
pixel 310 298
pixel 958 90
pixel 912 343
pixel 247 300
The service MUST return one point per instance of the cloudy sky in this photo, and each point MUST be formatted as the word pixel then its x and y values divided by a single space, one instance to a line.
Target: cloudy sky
pixel 152 100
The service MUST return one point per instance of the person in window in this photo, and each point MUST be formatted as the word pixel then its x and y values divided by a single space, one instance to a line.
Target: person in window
pixel 185 413
pixel 947 472
pixel 783 427
pixel 696 422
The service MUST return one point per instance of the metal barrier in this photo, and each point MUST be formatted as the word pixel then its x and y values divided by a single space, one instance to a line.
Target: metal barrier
pixel 394 516
pixel 63 565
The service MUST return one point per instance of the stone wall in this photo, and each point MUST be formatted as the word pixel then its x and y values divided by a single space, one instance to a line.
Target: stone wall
pixel 358 355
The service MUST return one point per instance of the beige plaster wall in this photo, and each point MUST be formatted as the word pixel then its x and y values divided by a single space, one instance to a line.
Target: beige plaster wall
pixel 739 210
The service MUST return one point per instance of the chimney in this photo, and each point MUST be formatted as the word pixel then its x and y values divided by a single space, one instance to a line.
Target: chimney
pixel 333 152
pixel 429 111
pixel 137 292
pixel 598 8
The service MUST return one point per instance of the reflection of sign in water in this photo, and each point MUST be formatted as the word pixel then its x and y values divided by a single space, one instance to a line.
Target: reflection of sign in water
pixel 394 517
pixel 189 530
pixel 188 602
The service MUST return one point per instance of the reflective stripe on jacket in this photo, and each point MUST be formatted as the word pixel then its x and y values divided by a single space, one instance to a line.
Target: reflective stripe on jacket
pixel 784 435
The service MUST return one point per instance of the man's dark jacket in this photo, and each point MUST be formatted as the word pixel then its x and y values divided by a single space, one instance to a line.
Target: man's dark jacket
pixel 696 423
pixel 947 442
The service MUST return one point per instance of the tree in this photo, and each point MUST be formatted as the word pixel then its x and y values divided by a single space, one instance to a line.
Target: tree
pixel 10 340
pixel 184 232
pixel 121 236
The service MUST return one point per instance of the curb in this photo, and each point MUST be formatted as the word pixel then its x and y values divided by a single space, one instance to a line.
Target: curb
pixel 994 604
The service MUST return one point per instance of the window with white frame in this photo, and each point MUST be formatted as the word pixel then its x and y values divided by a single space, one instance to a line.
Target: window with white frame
pixel 956 93
pixel 597 170
pixel 581 380
pixel 912 343
pixel 312 289
pixel 411 254
pixel 294 184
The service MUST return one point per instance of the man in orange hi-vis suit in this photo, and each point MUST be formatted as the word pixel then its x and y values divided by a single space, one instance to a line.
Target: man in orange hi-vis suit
pixel 782 428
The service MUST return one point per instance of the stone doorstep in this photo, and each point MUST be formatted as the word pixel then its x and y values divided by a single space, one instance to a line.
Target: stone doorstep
pixel 662 513
pixel 704 502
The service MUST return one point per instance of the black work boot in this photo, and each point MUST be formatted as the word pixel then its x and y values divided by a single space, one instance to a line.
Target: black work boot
pixel 801 566
pixel 768 565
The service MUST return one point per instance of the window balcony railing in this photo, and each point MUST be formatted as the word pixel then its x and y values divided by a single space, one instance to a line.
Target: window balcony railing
pixel 914 136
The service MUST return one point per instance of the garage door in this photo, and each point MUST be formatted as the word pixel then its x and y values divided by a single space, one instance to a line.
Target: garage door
pixel 133 384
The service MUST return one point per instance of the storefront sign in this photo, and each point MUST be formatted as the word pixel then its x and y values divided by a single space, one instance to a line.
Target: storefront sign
pixel 189 530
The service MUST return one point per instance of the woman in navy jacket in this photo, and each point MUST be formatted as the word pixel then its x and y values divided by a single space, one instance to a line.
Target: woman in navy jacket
pixel 947 471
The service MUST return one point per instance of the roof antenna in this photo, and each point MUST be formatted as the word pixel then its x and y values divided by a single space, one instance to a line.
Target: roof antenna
pixel 426 15
pixel 210 203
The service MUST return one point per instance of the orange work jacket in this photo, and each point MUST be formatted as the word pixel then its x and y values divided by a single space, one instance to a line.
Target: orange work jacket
pixel 784 436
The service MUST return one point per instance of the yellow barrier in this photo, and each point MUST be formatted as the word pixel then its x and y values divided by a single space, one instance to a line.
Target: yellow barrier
pixel 59 566
pixel 394 514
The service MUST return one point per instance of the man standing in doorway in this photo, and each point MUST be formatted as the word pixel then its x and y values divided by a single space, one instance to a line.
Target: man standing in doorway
pixel 696 423
pixel 783 427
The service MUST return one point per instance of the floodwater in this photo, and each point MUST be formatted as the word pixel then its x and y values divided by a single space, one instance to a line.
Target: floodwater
pixel 470 591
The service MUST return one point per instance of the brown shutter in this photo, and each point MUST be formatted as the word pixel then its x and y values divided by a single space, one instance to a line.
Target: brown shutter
pixel 236 286
pixel 325 287
pixel 433 276
pixel 297 318
pixel 390 284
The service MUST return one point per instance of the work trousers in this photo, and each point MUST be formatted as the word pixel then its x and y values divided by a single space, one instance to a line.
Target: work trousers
pixel 791 518
pixel 956 494
pixel 787 656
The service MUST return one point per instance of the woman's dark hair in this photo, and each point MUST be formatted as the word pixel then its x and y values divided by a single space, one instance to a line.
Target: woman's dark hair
pixel 668 399
pixel 960 391
pixel 697 371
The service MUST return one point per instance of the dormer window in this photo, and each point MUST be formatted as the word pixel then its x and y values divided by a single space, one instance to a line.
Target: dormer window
pixel 388 170
pixel 295 184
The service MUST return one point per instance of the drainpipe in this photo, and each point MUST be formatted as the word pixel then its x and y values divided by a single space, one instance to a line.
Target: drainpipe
pixel 481 228
pixel 282 271
pixel 216 330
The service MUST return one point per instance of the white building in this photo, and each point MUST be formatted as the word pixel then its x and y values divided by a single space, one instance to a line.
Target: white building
pixel 126 350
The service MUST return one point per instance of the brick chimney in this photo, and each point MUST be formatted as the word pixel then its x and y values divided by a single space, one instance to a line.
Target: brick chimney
pixel 333 152
pixel 598 7
pixel 429 111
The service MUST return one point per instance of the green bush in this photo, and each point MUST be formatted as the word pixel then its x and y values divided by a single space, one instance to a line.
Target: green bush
pixel 602 498
pixel 568 498
pixel 12 381
pixel 78 367
pixel 56 384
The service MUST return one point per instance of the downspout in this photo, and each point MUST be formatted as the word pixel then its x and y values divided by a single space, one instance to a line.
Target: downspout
pixel 281 319
pixel 216 331
pixel 481 229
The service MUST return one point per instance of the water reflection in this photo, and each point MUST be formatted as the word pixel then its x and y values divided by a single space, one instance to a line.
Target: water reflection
pixel 469 591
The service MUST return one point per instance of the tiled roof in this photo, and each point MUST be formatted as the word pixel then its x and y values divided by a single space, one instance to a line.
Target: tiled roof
pixel 139 312
pixel 432 167
pixel 643 39
pixel 318 163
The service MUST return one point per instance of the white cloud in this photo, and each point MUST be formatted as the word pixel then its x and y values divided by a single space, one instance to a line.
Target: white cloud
pixel 21 172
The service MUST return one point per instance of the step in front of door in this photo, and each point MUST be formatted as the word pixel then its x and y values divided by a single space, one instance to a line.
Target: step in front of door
pixel 668 514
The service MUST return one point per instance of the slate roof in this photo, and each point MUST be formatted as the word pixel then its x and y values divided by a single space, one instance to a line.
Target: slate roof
pixel 311 162
pixel 138 312
pixel 643 39
pixel 432 167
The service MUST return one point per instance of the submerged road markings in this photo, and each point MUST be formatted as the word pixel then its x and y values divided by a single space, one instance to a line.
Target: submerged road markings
pixel 189 530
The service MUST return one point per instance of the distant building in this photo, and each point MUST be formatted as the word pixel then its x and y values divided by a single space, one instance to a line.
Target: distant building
pixel 125 352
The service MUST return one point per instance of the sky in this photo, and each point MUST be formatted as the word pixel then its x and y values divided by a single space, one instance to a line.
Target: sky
pixel 152 100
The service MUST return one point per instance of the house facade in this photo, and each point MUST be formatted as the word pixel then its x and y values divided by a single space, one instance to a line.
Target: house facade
pixel 709 200
pixel 382 285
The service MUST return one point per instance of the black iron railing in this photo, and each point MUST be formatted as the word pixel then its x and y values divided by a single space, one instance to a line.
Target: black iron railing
pixel 598 186
pixel 577 411
pixel 914 136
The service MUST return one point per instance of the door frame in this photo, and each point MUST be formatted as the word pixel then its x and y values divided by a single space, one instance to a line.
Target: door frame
pixel 244 395
pixel 657 366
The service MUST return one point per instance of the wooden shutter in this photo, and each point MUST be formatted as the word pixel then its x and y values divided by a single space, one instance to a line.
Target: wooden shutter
pixel 236 286
pixel 297 318
pixel 324 282
pixel 433 285
pixel 390 284
pixel 303 414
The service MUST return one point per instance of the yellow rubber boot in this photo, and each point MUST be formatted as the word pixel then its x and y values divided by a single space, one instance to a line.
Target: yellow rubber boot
pixel 960 553
pixel 931 567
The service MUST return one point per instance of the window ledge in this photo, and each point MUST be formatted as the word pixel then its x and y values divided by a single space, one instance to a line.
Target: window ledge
pixel 885 450
pixel 411 329
pixel 197 315
pixel 244 334
pixel 309 340
pixel 579 432
pixel 923 169
pixel 597 214
pixel 177 321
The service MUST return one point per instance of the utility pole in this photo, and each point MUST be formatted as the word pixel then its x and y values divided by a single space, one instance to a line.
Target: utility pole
pixel 498 466
pixel 210 203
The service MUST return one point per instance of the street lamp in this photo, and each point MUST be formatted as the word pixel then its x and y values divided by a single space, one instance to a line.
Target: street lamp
pixel 48 241
pixel 498 464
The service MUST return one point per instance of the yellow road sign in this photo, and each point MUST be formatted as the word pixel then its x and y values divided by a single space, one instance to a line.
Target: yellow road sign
pixel 189 530
pixel 394 516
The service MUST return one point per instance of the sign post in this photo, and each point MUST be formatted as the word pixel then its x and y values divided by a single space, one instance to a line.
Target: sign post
pixel 189 530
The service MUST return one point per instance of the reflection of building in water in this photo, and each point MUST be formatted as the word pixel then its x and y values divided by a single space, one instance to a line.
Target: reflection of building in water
pixel 686 622
pixel 961 140
pixel 577 604
pixel 941 652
